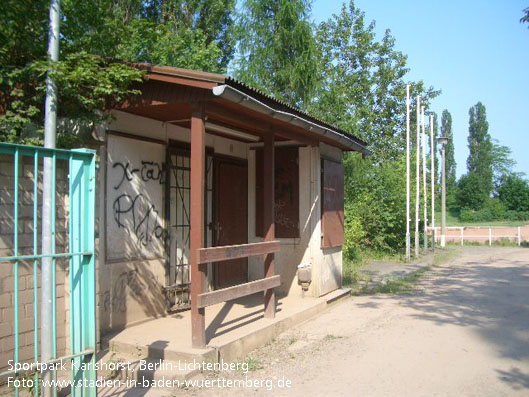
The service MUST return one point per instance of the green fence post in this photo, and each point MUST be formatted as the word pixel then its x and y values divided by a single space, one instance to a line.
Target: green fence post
pixel 82 271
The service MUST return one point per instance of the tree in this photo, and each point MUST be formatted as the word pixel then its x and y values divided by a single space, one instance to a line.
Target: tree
pixel 276 50
pixel 513 191
pixel 468 192
pixel 480 159
pixel 450 162
pixel 193 34
pixel 525 17
pixel 502 163
pixel 363 87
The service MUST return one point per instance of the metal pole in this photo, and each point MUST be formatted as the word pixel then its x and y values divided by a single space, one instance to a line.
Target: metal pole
pixel 48 240
pixel 418 183
pixel 425 190
pixel 443 198
pixel 432 179
pixel 408 240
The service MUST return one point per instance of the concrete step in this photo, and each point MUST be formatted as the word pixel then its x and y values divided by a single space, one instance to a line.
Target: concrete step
pixel 337 295
pixel 125 367
pixel 122 347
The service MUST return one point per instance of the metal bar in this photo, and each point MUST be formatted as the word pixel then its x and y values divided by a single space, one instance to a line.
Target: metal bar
pixel 53 262
pixel 46 152
pixel 198 155
pixel 217 254
pixel 432 178
pixel 82 270
pixel 86 352
pixel 417 182
pixel 408 239
pixel 268 219
pixel 15 250
pixel 29 257
pixel 237 291
pixel 35 266
pixel 425 190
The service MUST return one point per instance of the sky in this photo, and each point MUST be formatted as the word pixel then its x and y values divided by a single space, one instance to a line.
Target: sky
pixel 472 50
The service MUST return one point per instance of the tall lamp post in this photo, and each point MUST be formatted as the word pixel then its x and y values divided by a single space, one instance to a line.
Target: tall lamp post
pixel 443 140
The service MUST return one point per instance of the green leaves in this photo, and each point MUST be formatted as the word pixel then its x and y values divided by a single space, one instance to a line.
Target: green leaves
pixel 276 49
pixel 362 87
pixel 87 84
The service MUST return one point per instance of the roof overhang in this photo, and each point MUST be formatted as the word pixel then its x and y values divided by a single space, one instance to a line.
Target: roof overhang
pixel 230 90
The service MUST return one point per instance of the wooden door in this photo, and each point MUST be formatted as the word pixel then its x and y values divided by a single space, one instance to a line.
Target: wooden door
pixel 231 218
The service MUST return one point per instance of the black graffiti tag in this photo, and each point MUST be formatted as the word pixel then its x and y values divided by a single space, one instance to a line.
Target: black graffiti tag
pixel 149 171
pixel 137 215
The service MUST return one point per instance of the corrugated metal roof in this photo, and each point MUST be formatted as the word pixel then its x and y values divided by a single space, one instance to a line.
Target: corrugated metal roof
pixel 225 79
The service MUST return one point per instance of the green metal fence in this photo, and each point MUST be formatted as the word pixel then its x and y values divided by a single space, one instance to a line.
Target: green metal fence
pixel 81 257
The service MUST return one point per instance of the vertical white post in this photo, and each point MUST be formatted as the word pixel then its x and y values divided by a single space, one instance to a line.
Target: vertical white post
pixel 432 179
pixel 519 237
pixel 490 236
pixel 418 181
pixel 408 240
pixel 462 238
pixel 443 195
pixel 424 184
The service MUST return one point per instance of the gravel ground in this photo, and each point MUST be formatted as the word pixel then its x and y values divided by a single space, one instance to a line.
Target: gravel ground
pixel 462 331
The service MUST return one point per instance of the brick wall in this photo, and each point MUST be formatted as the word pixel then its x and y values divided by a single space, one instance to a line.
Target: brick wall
pixel 26 303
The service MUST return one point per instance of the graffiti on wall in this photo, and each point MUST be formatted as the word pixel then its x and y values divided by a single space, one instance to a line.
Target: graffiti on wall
pixel 134 199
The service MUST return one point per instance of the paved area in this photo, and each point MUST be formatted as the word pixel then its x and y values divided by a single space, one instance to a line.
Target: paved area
pixel 464 331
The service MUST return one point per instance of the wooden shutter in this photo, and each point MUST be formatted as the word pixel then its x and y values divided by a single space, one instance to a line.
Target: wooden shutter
pixel 332 192
pixel 286 192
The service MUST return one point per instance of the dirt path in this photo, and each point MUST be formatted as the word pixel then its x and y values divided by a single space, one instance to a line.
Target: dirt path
pixel 463 331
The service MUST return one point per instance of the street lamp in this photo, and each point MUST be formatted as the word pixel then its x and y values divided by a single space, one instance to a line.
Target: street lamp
pixel 443 140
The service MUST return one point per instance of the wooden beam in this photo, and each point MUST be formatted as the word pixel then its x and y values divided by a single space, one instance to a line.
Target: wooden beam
pixel 258 123
pixel 217 254
pixel 268 219
pixel 230 293
pixel 198 156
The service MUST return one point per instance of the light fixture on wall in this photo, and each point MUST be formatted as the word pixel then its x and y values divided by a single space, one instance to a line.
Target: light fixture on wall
pixel 231 132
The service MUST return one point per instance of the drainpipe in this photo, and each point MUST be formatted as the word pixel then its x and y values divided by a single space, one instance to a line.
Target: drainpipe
pixel 50 133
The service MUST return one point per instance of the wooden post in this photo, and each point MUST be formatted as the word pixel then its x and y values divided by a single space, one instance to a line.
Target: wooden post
pixel 490 236
pixel 519 237
pixel 462 237
pixel 198 133
pixel 268 219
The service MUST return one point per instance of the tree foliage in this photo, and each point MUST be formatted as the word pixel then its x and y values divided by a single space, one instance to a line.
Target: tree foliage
pixel 480 159
pixel 450 162
pixel 514 192
pixel 363 86
pixel 276 50
pixel 194 34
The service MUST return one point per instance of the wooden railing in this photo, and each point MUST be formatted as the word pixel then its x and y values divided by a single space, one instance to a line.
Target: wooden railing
pixel 217 254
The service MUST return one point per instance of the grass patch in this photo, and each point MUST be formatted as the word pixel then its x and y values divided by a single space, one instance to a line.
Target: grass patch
pixel 330 337
pixel 402 285
pixel 351 267
pixel 253 365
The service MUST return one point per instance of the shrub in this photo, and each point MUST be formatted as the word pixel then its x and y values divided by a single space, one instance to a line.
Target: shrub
pixel 469 193
pixel 514 192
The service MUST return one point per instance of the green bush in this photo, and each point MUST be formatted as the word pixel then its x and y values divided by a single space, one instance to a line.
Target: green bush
pixel 492 210
pixel 375 204
pixel 469 193
pixel 514 192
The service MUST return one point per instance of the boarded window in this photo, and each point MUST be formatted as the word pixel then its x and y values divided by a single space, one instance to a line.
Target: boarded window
pixel 286 192
pixel 332 191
